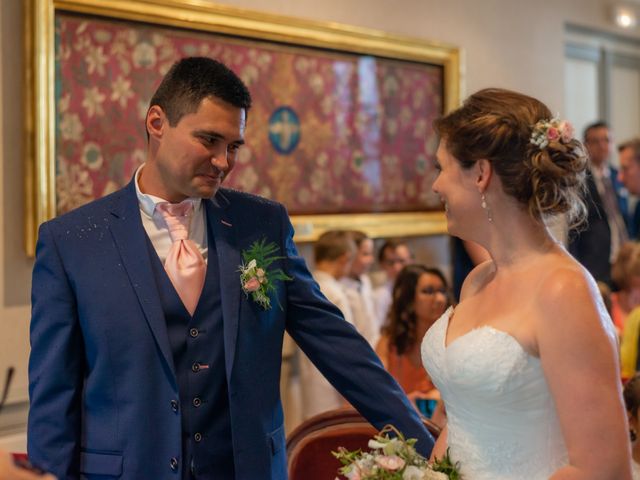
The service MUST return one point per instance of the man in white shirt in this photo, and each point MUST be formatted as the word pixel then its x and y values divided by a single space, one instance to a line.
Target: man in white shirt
pixel 393 256
pixel 359 290
pixel 333 253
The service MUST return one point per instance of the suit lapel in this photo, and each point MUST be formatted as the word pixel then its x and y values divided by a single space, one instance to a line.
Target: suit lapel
pixel 131 240
pixel 229 260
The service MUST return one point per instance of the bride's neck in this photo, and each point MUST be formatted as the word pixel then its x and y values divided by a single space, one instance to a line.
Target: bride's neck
pixel 518 242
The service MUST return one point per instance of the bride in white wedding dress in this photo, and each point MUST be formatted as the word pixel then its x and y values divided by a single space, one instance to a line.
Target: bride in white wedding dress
pixel 527 362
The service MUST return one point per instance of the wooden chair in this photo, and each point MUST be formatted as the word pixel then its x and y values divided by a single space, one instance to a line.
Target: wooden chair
pixel 310 445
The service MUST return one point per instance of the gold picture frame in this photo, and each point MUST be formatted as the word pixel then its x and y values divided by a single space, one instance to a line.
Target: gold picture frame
pixel 202 16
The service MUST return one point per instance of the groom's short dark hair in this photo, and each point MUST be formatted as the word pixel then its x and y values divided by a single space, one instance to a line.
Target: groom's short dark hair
pixel 193 79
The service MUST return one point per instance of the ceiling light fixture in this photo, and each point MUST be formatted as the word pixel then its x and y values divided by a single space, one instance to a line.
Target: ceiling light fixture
pixel 625 16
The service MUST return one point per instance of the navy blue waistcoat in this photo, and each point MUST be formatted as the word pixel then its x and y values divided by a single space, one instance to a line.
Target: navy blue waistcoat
pixel 198 354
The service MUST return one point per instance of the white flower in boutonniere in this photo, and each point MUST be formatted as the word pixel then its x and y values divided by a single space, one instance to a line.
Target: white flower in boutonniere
pixel 255 277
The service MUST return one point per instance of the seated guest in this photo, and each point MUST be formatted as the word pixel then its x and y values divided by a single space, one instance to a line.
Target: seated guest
pixel 357 287
pixel 333 253
pixel 420 297
pixel 632 402
pixel 393 256
pixel 625 273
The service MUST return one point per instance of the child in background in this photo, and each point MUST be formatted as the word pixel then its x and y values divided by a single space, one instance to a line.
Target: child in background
pixel 632 402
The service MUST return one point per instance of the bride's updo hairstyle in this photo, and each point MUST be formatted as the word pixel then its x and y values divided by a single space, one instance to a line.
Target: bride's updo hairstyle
pixel 536 157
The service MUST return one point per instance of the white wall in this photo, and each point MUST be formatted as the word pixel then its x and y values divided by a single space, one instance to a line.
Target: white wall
pixel 508 43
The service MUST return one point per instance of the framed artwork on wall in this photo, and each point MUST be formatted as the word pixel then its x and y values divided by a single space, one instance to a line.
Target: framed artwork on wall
pixel 339 131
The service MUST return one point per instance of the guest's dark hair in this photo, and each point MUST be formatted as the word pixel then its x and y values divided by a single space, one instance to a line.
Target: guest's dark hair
pixel 193 79
pixel 389 245
pixel 497 125
pixel 593 126
pixel 401 325
pixel 631 395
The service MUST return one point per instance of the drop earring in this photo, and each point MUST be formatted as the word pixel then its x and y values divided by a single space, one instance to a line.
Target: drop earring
pixel 485 207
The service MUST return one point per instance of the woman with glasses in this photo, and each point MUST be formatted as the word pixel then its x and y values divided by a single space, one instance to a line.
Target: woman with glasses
pixel 419 298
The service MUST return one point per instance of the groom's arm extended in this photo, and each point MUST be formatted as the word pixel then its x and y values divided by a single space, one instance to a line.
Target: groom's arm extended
pixel 342 355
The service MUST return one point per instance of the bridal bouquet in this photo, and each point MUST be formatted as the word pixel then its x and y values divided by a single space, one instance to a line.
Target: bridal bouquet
pixel 393 458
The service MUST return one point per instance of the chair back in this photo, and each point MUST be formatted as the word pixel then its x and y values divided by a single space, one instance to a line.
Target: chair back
pixel 309 446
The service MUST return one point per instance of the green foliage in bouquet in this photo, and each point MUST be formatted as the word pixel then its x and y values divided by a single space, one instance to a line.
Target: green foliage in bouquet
pixel 394 458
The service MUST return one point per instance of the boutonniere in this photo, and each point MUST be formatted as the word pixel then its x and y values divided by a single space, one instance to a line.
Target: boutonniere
pixel 255 277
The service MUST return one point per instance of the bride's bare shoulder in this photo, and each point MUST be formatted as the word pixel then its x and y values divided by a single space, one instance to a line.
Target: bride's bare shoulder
pixel 568 292
pixel 562 275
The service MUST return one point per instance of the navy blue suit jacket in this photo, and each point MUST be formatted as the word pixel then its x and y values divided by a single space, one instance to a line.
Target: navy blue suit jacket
pixel 591 244
pixel 102 378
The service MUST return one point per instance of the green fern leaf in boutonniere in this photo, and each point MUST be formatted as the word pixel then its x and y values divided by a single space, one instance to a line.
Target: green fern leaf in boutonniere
pixel 255 277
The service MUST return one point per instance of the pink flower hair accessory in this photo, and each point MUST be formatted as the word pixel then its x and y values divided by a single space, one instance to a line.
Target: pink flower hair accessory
pixel 553 130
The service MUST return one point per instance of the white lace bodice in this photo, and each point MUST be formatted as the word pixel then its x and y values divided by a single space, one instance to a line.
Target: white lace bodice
pixel 501 418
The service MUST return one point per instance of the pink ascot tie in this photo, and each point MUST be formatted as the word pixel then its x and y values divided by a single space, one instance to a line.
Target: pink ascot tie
pixel 185 264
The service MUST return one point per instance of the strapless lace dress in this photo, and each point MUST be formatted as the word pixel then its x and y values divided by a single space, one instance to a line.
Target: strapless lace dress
pixel 501 417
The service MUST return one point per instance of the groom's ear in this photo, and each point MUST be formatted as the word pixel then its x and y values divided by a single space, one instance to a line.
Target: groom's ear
pixel 484 172
pixel 156 121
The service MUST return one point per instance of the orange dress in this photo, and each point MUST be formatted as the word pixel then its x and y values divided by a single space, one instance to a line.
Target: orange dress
pixel 411 378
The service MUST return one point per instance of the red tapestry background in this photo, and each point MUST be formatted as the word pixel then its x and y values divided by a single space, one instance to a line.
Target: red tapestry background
pixel 365 137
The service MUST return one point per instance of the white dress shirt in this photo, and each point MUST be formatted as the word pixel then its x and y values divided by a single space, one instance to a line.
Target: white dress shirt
pixel 360 295
pixel 318 395
pixel 157 228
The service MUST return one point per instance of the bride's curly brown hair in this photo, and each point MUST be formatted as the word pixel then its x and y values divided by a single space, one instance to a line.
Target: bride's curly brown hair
pixel 401 326
pixel 496 125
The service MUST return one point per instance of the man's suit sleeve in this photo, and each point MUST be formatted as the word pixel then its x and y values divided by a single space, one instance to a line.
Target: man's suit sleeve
pixel 56 364
pixel 342 355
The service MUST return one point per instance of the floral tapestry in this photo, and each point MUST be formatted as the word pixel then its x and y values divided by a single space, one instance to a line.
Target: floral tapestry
pixel 329 132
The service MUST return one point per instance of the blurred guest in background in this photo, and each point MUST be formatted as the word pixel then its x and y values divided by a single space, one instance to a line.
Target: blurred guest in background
pixel 420 297
pixel 596 244
pixel 393 256
pixel 358 288
pixel 629 175
pixel 625 273
pixel 333 252
pixel 632 402
pixel 624 305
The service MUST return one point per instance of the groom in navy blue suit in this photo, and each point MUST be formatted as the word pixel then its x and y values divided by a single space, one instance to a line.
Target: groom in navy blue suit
pixel 125 381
